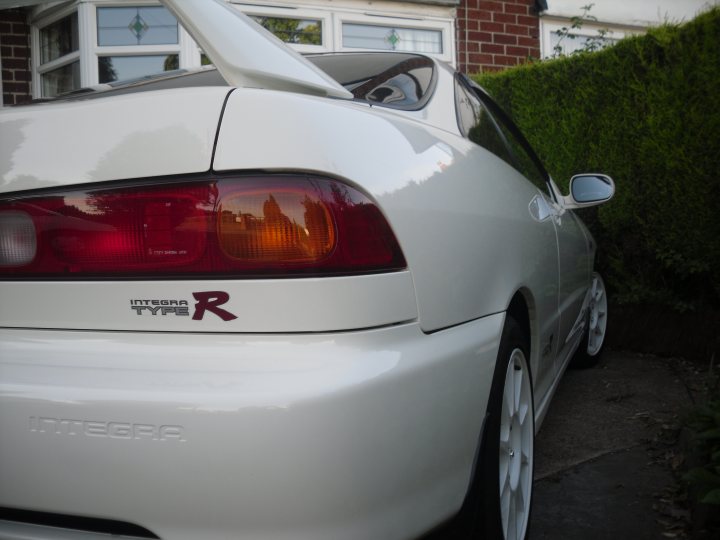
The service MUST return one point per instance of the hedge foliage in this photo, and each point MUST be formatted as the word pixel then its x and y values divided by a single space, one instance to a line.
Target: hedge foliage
pixel 647 112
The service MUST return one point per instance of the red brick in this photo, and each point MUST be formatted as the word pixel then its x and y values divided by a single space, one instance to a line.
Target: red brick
pixel 22 75
pixel 492 6
pixel 516 8
pixel 501 60
pixel 6 52
pixel 504 18
pixel 14 63
pixel 472 46
pixel 20 28
pixel 14 40
pixel 492 48
pixel 482 37
pixel 16 87
pixel 528 41
pixel 479 14
pixel 481 59
pixel 505 39
pixel 517 51
pixel 517 30
pixel 5 27
pixel 491 27
pixel 7 75
pixel 528 20
pixel 20 51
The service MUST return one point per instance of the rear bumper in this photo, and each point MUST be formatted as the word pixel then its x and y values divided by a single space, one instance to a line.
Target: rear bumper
pixel 368 434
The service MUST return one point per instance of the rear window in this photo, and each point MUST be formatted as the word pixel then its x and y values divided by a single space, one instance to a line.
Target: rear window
pixel 396 80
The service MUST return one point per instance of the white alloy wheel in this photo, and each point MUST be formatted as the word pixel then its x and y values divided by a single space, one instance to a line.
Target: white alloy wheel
pixel 516 448
pixel 597 316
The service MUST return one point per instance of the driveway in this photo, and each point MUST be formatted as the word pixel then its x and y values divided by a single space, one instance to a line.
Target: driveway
pixel 606 452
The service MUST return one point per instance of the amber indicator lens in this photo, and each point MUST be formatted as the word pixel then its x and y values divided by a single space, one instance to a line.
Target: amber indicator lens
pixel 278 225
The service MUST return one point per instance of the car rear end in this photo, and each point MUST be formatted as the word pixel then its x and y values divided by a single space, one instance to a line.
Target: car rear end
pixel 197 350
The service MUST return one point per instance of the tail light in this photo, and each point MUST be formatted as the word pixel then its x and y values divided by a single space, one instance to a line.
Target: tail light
pixel 240 226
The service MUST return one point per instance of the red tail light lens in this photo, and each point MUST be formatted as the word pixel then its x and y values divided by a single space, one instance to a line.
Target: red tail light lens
pixel 276 226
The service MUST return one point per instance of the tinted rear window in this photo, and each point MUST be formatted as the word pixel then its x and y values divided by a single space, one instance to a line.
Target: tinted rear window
pixel 397 80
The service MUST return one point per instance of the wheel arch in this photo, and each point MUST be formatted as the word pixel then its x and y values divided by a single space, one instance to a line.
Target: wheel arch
pixel 522 309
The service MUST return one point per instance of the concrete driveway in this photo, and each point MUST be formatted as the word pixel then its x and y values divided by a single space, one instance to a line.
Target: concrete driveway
pixel 606 452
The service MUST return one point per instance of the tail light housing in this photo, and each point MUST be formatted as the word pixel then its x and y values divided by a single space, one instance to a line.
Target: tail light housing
pixel 224 227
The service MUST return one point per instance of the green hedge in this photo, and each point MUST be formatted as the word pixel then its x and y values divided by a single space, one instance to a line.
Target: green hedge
pixel 647 113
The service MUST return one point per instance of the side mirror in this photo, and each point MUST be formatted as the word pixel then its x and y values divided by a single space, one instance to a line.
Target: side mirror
pixel 589 190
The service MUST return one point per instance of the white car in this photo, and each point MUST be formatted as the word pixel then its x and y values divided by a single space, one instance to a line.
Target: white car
pixel 286 298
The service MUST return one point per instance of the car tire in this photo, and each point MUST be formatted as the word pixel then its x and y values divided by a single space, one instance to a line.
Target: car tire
pixel 502 487
pixel 590 349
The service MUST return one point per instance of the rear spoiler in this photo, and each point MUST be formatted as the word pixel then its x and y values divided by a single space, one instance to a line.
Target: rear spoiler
pixel 246 54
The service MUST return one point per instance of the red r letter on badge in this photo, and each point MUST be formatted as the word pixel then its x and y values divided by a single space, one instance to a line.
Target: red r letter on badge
pixel 209 301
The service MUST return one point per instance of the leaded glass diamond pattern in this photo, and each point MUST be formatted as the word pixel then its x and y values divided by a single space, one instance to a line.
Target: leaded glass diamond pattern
pixel 138 27
pixel 393 38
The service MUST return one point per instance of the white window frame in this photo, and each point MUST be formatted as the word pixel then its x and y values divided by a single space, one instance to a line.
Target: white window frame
pixel 550 26
pixel 40 69
pixel 334 16
pixel 444 26
pixel 89 51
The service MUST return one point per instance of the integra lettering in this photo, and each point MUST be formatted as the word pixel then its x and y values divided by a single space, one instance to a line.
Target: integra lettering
pixel 160 307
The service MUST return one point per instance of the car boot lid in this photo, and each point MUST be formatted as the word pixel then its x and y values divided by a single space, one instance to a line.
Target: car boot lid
pixel 246 54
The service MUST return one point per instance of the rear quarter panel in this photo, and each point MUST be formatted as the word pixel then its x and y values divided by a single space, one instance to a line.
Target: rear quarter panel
pixel 460 213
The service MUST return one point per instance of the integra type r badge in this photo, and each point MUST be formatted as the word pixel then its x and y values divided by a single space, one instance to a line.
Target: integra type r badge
pixel 206 301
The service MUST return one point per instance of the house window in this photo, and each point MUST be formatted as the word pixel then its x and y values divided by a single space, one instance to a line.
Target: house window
pixel 135 41
pixel 148 25
pixel 391 38
pixel 556 39
pixel 289 30
pixel 123 68
pixel 59 56
pixel 313 27
pixel 91 42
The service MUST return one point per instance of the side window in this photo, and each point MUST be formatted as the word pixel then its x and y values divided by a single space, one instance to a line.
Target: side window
pixel 477 124
pixel 496 133
pixel 525 163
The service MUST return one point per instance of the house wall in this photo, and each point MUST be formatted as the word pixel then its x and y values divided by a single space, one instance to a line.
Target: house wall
pixel 15 56
pixel 495 34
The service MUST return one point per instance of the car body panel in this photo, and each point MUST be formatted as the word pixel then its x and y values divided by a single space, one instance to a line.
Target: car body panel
pixel 277 428
pixel 575 274
pixel 99 140
pixel 258 305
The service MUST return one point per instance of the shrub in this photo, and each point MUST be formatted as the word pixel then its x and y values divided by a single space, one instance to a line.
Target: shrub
pixel 645 112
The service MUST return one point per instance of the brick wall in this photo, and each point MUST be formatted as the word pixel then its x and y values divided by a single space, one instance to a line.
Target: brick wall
pixel 15 56
pixel 496 34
